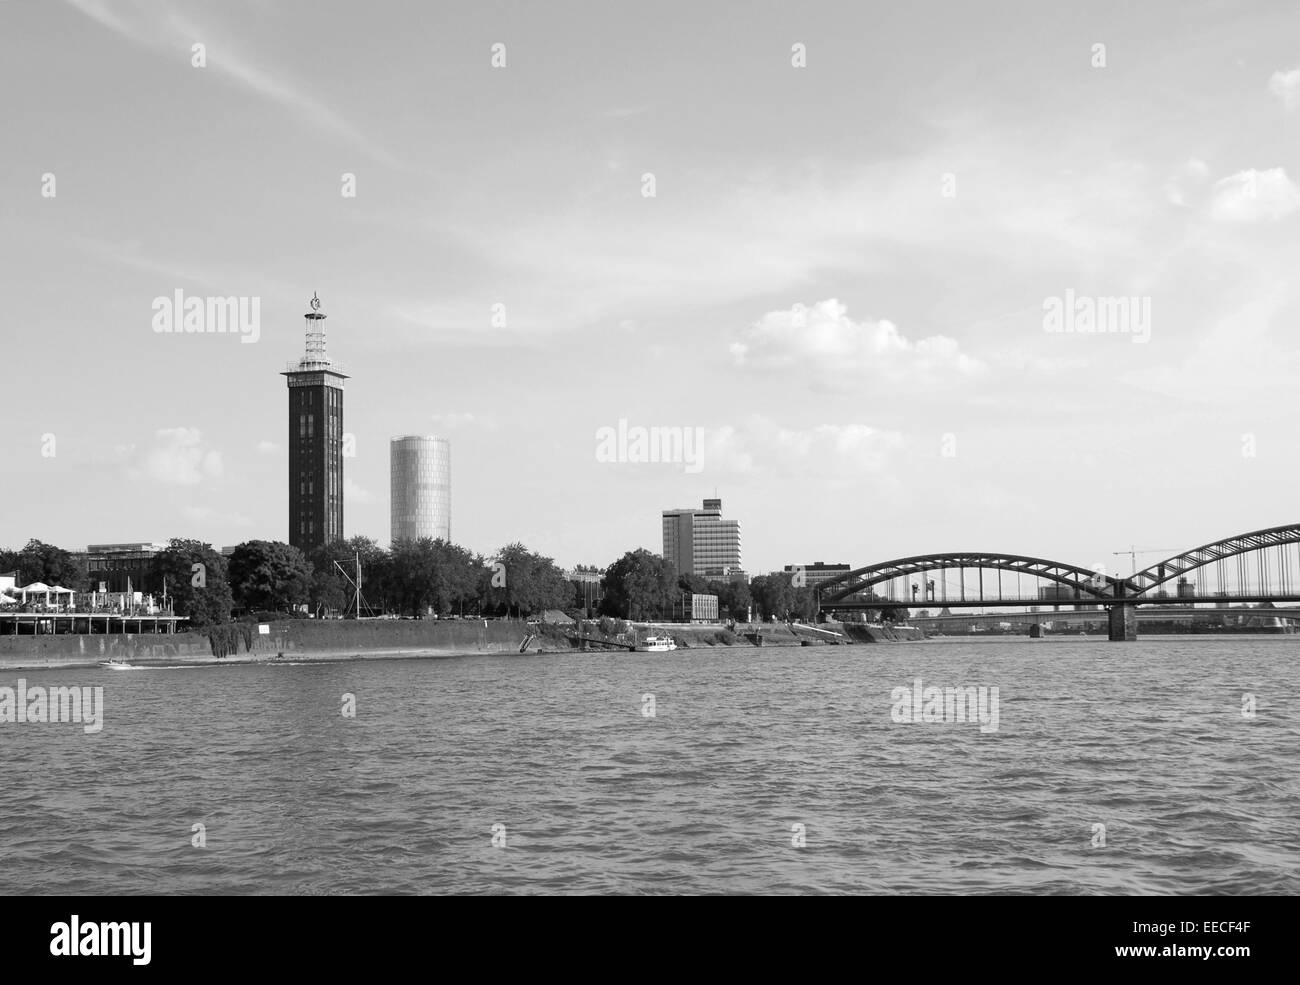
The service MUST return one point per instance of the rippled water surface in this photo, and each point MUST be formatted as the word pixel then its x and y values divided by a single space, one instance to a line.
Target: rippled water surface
pixel 1147 738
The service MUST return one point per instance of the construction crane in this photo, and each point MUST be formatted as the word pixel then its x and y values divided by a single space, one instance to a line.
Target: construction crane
pixel 1133 552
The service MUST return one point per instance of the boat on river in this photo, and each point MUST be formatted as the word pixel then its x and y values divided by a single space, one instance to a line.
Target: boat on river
pixel 657 644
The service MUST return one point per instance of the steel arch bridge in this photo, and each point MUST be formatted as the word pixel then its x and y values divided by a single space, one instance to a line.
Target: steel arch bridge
pixel 1148 579
pixel 1085 581
pixel 1078 585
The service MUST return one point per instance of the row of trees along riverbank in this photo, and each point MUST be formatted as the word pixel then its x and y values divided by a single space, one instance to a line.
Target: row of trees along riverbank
pixel 415 577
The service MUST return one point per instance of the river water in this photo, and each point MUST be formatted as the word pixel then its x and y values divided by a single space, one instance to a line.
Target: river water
pixel 748 752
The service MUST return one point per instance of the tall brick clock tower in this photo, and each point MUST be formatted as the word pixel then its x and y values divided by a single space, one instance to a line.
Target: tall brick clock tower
pixel 315 441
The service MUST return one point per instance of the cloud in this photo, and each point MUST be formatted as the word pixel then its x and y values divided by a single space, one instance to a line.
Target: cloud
pixel 763 448
pixel 1286 86
pixel 98 10
pixel 823 341
pixel 623 112
pixel 144 24
pixel 1192 171
pixel 732 234
pixel 352 493
pixel 458 419
pixel 208 513
pixel 176 457
pixel 267 448
pixel 1251 196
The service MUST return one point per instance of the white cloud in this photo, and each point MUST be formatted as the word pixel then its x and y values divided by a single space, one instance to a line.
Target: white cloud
pixel 823 341
pixel 1286 86
pixel 144 24
pixel 762 447
pixel 208 513
pixel 1192 171
pixel 352 493
pixel 177 457
pixel 1249 196
pixel 267 448
pixel 456 419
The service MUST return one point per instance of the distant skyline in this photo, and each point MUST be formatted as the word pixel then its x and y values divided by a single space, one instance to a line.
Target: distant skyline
pixel 842 284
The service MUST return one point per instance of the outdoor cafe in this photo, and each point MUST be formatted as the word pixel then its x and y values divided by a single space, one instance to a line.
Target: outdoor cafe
pixel 39 609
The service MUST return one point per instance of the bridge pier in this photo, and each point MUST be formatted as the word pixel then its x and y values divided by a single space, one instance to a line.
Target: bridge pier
pixel 1123 622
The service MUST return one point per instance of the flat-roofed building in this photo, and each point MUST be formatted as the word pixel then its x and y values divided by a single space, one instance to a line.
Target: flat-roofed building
pixel 700 542
pixel 814 574
pixel 704 608
pixel 122 567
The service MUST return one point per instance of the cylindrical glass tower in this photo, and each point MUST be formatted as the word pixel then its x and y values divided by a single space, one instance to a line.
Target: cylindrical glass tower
pixel 420 487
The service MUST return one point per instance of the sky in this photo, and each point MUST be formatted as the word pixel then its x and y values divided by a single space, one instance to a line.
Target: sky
pixel 826 240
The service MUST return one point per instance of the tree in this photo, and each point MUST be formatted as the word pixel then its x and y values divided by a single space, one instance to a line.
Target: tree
pixel 521 582
pixel 202 594
pixel 734 598
pixel 268 575
pixel 803 604
pixel 640 585
pixel 412 574
pixel 329 588
pixel 433 574
pixel 895 613
pixel 693 583
pixel 376 570
pixel 458 585
pixel 10 561
pixel 52 565
pixel 774 595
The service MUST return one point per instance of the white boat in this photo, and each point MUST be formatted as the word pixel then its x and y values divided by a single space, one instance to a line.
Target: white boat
pixel 655 644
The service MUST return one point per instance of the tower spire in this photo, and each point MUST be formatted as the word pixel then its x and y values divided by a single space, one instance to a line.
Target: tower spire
pixel 315 351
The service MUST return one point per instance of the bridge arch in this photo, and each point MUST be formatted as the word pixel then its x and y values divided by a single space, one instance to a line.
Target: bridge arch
pixel 1088 583
pixel 1163 572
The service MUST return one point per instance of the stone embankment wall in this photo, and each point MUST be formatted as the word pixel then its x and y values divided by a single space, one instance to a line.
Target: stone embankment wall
pixel 309 639
pixel 297 638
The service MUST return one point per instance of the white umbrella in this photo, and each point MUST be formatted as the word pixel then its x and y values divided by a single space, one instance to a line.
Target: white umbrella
pixel 36 586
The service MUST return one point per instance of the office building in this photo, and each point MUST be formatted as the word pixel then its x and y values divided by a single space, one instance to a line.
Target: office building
pixel 815 574
pixel 420 487
pixel 704 608
pixel 122 567
pixel 701 542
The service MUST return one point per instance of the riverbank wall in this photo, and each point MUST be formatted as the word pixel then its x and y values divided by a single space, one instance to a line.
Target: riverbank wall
pixel 309 639
pixel 298 639
pixel 696 637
